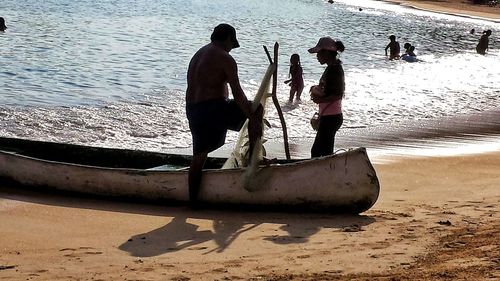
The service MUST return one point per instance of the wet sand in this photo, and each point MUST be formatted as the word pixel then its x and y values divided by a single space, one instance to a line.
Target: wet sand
pixel 447 136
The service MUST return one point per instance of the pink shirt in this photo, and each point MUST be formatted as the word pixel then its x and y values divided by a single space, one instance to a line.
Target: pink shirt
pixel 330 108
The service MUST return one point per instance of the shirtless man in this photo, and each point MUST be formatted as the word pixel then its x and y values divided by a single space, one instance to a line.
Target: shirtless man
pixel 393 48
pixel 209 111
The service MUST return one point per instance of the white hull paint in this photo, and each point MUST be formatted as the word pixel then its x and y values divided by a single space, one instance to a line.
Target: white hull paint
pixel 345 182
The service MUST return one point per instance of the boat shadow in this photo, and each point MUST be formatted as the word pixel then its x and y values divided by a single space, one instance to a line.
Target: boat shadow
pixel 182 233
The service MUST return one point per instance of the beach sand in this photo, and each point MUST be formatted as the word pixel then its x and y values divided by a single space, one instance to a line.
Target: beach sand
pixel 437 218
pixel 455 7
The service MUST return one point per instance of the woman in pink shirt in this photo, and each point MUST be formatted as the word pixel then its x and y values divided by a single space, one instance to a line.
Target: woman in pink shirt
pixel 328 95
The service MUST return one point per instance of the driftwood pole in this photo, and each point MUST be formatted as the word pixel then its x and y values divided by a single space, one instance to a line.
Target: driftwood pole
pixel 275 97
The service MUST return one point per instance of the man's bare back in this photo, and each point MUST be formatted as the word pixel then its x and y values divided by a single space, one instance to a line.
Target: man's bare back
pixel 209 71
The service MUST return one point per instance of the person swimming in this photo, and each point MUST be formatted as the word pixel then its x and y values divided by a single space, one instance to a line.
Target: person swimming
pixel 482 46
pixel 410 55
pixel 411 51
pixel 3 27
pixel 406 46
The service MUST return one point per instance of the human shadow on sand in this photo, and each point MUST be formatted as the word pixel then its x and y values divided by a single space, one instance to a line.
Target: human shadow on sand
pixel 176 235
pixel 181 231
pixel 179 234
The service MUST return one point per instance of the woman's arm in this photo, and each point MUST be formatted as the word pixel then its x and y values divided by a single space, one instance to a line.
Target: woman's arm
pixel 326 99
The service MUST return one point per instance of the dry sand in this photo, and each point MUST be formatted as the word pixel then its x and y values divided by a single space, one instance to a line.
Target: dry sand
pixel 457 7
pixel 436 219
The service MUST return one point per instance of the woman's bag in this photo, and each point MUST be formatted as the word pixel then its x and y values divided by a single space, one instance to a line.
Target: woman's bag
pixel 315 121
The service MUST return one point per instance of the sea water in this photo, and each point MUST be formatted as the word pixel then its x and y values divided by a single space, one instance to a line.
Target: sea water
pixel 113 73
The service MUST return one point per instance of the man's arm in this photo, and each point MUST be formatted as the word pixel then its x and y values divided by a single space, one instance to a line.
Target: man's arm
pixel 254 118
pixel 234 82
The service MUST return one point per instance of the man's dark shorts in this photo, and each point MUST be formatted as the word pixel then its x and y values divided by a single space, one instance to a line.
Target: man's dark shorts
pixel 209 122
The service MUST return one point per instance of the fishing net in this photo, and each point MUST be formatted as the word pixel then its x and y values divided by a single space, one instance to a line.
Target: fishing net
pixel 240 155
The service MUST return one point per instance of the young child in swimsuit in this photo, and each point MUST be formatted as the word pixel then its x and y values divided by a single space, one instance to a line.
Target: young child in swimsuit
pixel 296 81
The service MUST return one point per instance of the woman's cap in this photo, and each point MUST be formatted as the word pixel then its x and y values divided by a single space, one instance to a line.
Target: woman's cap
pixel 224 31
pixel 324 43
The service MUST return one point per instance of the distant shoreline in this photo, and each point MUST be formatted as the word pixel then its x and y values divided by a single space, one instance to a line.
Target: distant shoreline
pixel 453 7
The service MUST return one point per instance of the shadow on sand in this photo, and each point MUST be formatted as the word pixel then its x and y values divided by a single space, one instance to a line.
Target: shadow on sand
pixel 179 233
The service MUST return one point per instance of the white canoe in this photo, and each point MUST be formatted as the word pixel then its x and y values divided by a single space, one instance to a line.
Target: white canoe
pixel 342 183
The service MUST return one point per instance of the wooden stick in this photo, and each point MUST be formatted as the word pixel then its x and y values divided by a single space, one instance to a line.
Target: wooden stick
pixel 268 55
pixel 276 101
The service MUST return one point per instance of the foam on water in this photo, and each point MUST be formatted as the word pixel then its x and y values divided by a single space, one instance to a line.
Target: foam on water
pixel 113 74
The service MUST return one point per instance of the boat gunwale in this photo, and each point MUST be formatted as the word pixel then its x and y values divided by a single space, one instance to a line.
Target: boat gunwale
pixel 240 169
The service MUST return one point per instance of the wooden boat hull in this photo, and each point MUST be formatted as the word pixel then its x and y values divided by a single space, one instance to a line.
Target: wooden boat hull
pixel 345 182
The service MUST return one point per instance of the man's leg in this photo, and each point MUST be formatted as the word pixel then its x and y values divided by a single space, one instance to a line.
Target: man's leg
pixel 194 175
